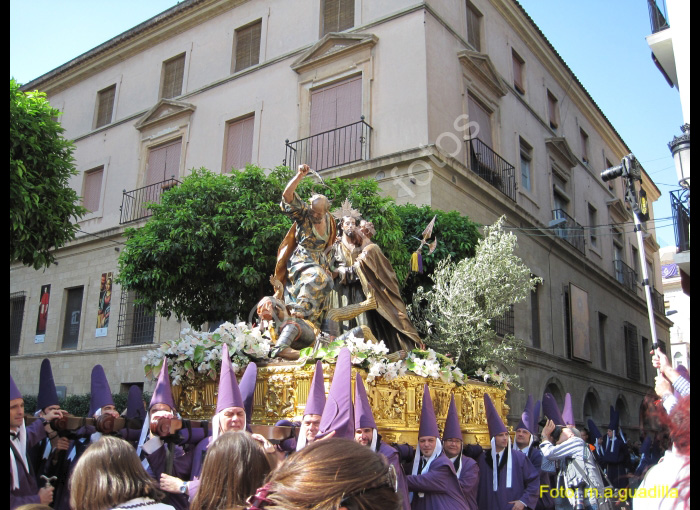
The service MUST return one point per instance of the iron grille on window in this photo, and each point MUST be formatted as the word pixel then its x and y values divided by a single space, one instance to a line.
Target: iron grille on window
pixel 17 300
pixel 136 324
pixel 505 324
pixel 632 351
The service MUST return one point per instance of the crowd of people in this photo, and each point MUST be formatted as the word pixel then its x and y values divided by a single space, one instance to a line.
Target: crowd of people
pixel 338 459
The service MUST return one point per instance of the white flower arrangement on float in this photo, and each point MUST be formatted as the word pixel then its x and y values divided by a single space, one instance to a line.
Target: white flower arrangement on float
pixel 196 352
pixel 494 376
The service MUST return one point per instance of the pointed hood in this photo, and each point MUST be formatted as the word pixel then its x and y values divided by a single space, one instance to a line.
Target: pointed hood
pixel 229 393
pixel 568 413
pixel 428 421
pixel 247 387
pixel 47 388
pixel 100 394
pixel 134 404
pixel 614 423
pixel 593 429
pixel 496 425
pixel 363 411
pixel 551 409
pixel 14 390
pixel 316 400
pixel 163 393
pixel 452 428
pixel 528 419
pixel 338 413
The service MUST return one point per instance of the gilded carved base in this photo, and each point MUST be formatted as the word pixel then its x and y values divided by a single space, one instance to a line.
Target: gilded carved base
pixel 282 389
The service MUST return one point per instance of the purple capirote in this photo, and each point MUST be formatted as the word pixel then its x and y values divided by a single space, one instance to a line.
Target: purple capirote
pixel 528 420
pixel 163 393
pixel 338 412
pixel 452 428
pixel 568 413
pixel 100 394
pixel 47 387
pixel 363 412
pixel 14 390
pixel 229 393
pixel 428 422
pixel 316 400
pixel 551 409
pixel 496 425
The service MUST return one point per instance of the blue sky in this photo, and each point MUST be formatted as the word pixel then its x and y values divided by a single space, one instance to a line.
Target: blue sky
pixel 602 41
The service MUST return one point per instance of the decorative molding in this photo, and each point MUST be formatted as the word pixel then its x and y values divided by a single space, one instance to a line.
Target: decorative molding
pixel 164 110
pixel 558 146
pixel 332 46
pixel 482 68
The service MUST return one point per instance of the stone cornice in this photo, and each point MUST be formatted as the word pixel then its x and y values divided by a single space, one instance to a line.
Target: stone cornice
pixel 481 66
pixel 332 47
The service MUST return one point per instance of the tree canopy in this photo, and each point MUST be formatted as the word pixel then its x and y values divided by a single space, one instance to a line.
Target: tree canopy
pixel 42 205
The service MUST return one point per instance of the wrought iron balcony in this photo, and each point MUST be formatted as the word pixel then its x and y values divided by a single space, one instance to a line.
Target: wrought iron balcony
pixel 505 324
pixel 134 203
pixel 331 148
pixel 569 230
pixel 657 301
pixel 680 205
pixel 625 275
pixel 657 15
pixel 484 162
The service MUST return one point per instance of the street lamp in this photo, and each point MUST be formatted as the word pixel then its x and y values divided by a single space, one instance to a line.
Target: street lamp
pixel 680 148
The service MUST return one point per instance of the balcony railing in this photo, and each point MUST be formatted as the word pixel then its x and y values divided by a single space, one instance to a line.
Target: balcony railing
pixel 484 162
pixel 625 275
pixel 657 301
pixel 331 148
pixel 569 230
pixel 680 205
pixel 134 202
pixel 657 15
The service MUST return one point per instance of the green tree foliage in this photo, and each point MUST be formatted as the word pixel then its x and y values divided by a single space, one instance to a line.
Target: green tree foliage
pixel 207 252
pixel 42 205
pixel 457 237
pixel 456 313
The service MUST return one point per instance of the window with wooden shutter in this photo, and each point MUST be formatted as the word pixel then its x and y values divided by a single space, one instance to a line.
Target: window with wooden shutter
pixel 479 114
pixel 105 106
pixel 632 351
pixel 584 146
pixel 173 74
pixel 247 46
pixel 337 15
pixel 518 73
pixel 239 143
pixel 92 189
pixel 163 162
pixel 474 18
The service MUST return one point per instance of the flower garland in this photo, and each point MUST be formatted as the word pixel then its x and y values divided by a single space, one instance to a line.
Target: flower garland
pixel 200 352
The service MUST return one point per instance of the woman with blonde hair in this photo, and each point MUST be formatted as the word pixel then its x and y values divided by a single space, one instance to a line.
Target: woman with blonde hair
pixel 234 467
pixel 109 475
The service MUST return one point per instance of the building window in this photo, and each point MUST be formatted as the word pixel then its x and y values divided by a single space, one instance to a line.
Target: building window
pixel 567 322
pixel 71 319
pixel 479 114
pixel 136 324
pixel 17 301
pixel 525 165
pixel 239 143
pixel 92 189
pixel 602 321
pixel 105 106
pixel 632 351
pixel 584 146
pixel 163 162
pixel 553 110
pixel 593 226
pixel 247 46
pixel 618 254
pixel 518 73
pixel 173 74
pixel 611 182
pixel 505 324
pixel 337 15
pixel 474 20
pixel 635 263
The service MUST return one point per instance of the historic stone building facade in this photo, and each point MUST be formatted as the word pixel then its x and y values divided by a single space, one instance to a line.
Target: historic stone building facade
pixel 457 104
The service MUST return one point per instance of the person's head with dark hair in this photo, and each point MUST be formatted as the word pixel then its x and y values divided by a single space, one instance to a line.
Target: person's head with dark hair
pixel 108 474
pixel 234 467
pixel 332 474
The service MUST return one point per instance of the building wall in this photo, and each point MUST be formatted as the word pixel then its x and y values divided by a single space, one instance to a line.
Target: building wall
pixel 417 72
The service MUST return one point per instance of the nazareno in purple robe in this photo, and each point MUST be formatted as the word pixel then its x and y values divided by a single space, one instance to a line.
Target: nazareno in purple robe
pixel 469 481
pixel 28 492
pixel 524 487
pixel 439 486
pixel 392 456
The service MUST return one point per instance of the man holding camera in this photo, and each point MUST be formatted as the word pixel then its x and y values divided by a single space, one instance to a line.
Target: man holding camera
pixel 578 478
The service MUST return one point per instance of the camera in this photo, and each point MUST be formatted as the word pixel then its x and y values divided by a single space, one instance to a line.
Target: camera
pixel 556 433
pixel 628 168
